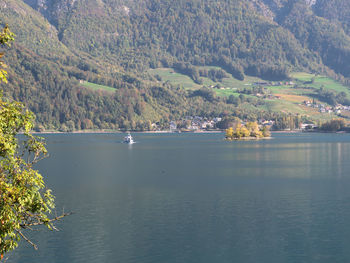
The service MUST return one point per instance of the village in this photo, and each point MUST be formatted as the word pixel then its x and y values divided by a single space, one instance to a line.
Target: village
pixel 194 123
pixel 322 108
pixel 201 124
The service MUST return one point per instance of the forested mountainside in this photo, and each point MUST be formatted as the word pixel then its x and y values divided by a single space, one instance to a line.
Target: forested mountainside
pixel 63 43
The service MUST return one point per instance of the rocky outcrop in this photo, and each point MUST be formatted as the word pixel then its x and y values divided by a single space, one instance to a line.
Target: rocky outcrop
pixel 311 2
pixel 262 9
pixel 52 9
pixel 273 8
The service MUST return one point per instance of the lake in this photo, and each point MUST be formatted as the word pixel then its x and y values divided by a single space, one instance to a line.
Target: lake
pixel 195 198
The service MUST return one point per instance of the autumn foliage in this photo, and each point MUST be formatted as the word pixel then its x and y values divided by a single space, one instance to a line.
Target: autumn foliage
pixel 249 130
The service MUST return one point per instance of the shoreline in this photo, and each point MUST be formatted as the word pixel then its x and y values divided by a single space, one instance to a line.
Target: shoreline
pixel 121 132
pixel 288 131
pixel 248 139
pixel 169 131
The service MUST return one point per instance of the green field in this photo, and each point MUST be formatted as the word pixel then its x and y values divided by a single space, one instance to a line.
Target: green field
pixel 287 98
pixel 230 84
pixel 320 81
pixel 168 74
pixel 96 87
pixel 290 97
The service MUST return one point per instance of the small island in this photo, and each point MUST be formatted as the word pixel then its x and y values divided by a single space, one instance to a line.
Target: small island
pixel 248 131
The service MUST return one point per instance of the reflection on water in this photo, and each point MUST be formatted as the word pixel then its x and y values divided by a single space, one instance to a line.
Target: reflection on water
pixel 196 198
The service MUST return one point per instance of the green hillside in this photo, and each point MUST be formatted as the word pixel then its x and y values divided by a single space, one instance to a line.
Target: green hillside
pixel 122 64
pixel 290 97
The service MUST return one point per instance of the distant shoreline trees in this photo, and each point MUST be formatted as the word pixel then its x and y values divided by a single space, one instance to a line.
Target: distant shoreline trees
pixel 333 126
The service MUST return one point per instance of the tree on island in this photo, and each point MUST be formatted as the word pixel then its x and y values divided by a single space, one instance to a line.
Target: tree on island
pixel 25 202
pixel 250 130
pixel 254 130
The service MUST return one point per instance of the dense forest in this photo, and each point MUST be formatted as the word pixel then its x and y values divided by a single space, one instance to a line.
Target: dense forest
pixel 60 43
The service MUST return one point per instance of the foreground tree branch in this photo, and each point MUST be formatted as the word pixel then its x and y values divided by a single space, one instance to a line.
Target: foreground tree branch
pixel 50 221
pixel 27 239
pixel 25 201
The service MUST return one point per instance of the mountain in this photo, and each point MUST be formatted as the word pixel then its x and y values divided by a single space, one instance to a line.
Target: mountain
pixel 225 33
pixel 62 44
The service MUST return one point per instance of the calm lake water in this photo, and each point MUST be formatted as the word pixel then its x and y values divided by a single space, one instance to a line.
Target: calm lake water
pixel 194 198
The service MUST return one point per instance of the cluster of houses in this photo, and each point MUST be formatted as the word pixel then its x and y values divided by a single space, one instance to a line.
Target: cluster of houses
pixel 221 87
pixel 194 123
pixel 326 109
pixel 268 96
pixel 278 83
pixel 197 123
pixel 263 122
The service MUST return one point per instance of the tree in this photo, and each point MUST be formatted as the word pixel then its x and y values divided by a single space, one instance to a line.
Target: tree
pixel 253 128
pixel 333 125
pixel 266 132
pixel 237 133
pixel 25 202
pixel 229 133
pixel 244 132
pixel 6 36
pixel 228 122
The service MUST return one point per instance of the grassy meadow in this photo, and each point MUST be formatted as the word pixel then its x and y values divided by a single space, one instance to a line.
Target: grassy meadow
pixel 286 98
pixel 96 87
pixel 290 98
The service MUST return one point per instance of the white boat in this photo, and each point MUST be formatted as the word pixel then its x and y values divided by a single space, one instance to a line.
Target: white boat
pixel 128 139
